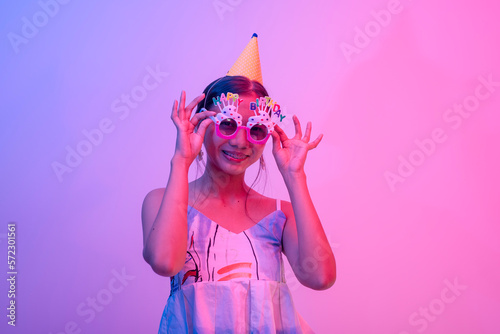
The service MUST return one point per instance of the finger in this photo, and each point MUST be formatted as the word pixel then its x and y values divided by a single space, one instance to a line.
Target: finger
pixel 203 127
pixel 315 143
pixel 181 106
pixel 298 130
pixel 201 115
pixel 276 142
pixel 307 135
pixel 281 133
pixel 175 115
pixel 194 103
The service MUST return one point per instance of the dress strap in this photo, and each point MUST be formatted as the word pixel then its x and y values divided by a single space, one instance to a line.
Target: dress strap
pixel 278 204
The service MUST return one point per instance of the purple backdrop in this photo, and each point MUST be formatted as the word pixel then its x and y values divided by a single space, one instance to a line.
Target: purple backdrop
pixel 406 179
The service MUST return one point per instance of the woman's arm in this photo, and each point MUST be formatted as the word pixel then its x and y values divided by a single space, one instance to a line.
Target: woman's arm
pixel 164 212
pixel 304 240
pixel 164 222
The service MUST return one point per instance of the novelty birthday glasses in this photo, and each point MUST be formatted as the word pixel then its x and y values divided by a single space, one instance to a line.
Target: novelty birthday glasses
pixel 259 127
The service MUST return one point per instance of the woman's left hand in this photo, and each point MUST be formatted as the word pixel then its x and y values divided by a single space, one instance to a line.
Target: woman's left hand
pixel 290 153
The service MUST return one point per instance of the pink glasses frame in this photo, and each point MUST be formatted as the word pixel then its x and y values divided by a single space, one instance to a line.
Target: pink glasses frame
pixel 249 138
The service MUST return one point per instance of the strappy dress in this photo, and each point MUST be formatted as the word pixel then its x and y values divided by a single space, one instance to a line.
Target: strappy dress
pixel 232 282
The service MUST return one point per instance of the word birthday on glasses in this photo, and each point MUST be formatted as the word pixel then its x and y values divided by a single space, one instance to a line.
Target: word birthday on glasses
pixel 261 104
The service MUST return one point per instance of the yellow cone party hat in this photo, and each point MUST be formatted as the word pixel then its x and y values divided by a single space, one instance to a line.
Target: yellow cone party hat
pixel 248 63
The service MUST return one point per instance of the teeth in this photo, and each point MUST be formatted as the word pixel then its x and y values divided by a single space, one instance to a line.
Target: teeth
pixel 235 155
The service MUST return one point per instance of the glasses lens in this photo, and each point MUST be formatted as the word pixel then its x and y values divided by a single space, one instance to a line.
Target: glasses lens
pixel 258 132
pixel 228 127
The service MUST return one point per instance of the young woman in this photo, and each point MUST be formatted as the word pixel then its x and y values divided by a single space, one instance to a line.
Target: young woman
pixel 219 240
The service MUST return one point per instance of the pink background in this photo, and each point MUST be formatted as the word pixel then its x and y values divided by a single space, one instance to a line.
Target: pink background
pixel 399 245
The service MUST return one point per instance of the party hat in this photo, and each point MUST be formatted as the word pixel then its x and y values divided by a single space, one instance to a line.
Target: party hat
pixel 248 63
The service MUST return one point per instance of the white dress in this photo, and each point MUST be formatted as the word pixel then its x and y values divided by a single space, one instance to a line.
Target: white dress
pixel 232 283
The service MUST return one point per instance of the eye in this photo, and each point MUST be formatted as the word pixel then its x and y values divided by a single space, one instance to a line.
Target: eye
pixel 258 131
pixel 228 126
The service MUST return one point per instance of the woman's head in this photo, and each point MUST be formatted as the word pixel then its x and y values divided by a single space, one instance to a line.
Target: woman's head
pixel 236 154
pixel 235 84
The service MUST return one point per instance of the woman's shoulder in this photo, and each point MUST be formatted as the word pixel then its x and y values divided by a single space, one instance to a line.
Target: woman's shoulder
pixel 152 201
pixel 280 205
pixel 155 194
pixel 272 204
pixel 286 207
pixel 257 199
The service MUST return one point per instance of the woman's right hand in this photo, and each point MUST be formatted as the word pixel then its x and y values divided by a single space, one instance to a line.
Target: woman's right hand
pixel 188 143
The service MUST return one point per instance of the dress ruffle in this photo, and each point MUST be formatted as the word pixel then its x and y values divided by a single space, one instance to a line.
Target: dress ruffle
pixel 247 306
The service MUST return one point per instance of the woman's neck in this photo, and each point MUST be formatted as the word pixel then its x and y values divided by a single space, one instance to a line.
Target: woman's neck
pixel 226 187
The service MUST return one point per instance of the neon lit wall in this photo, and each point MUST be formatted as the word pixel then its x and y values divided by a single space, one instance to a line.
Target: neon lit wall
pixel 406 93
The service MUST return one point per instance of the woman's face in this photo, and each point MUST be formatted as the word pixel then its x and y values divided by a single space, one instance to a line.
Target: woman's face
pixel 233 156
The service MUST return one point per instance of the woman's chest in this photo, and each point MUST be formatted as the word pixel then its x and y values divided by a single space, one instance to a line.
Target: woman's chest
pixel 216 254
pixel 235 220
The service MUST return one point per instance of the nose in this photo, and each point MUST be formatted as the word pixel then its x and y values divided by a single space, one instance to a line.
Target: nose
pixel 240 140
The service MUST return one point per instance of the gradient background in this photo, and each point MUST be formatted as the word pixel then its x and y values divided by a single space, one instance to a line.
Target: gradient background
pixel 396 246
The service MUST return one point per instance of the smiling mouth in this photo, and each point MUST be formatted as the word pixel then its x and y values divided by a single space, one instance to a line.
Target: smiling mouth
pixel 235 156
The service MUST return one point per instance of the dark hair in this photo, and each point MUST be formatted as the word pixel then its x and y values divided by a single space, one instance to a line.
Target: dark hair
pixel 235 84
